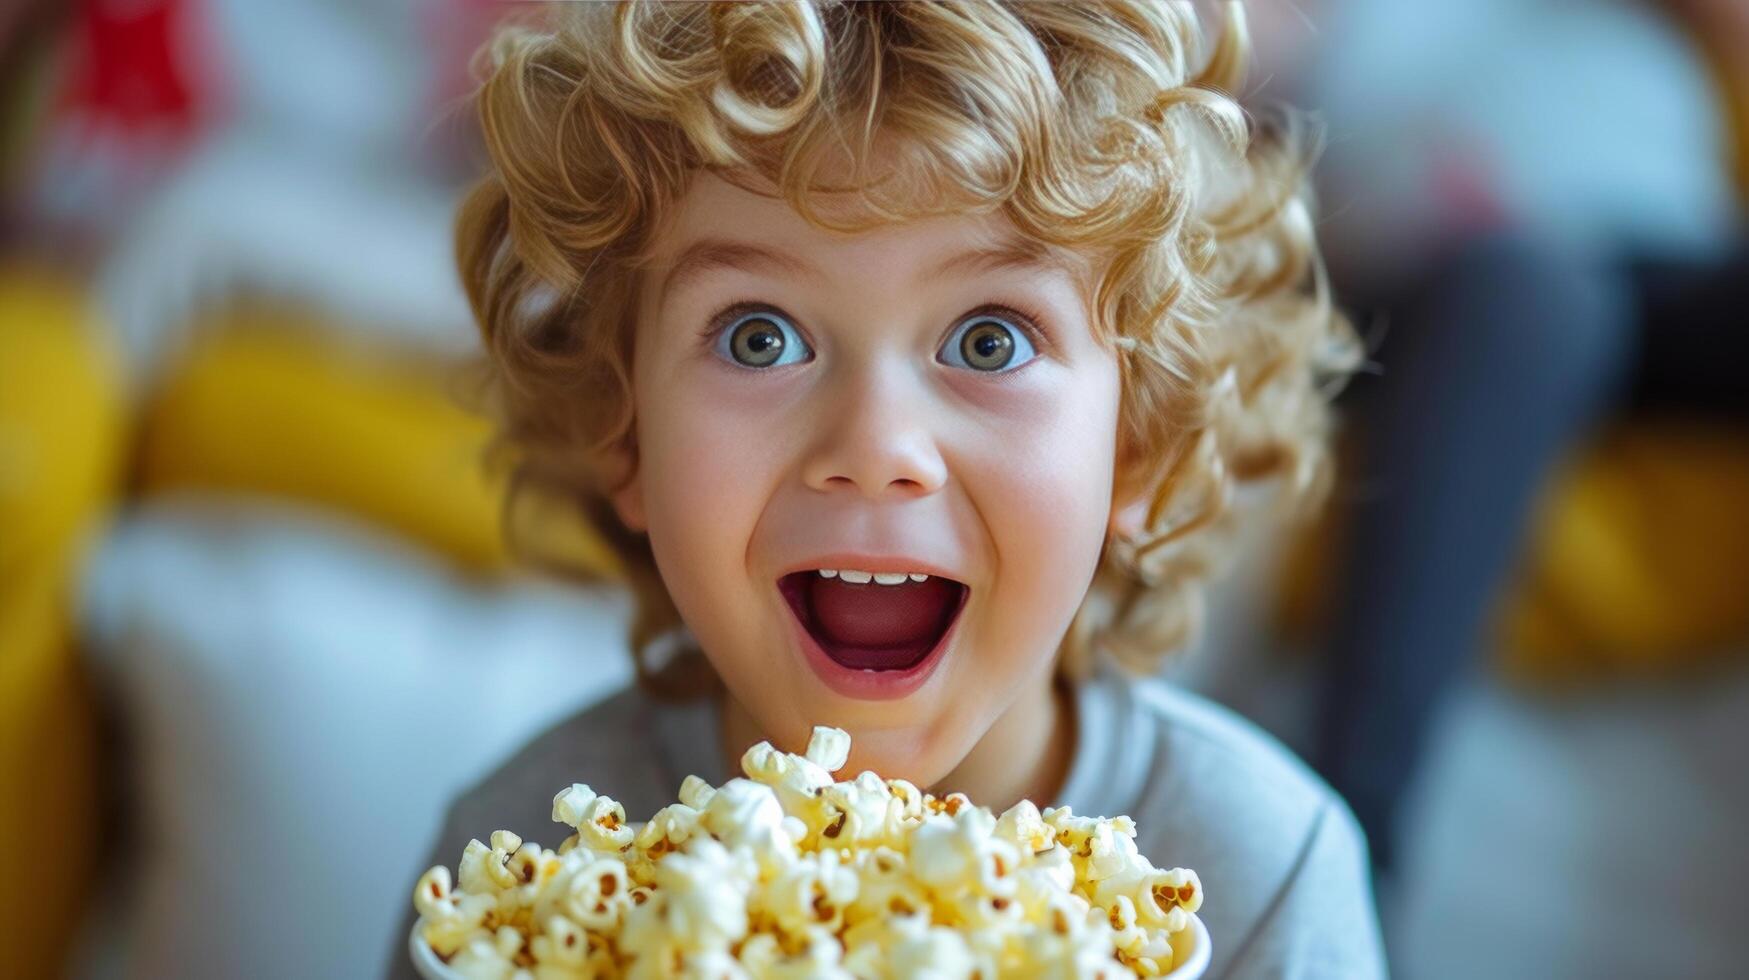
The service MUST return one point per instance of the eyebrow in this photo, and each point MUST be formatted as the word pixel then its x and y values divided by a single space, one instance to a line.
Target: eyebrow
pixel 1010 253
pixel 710 254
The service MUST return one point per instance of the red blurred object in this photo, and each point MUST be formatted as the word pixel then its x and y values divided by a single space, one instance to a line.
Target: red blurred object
pixel 135 85
pixel 139 66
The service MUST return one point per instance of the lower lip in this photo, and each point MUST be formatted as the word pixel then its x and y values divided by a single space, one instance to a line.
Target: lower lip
pixel 875 685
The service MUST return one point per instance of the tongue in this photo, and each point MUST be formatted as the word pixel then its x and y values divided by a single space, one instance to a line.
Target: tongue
pixel 873 615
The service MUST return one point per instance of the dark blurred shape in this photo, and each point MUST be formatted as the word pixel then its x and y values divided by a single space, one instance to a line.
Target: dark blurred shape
pixel 1506 356
pixel 1540 266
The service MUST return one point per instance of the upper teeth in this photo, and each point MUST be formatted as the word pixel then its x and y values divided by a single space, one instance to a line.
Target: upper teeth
pixel 855 577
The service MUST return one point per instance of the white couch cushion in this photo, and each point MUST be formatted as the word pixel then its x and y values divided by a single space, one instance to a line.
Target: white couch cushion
pixel 300 699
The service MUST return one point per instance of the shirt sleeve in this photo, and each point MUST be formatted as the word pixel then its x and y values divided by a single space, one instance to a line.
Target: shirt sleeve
pixel 1322 921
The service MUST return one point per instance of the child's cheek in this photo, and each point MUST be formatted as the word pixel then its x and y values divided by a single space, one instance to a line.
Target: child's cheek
pixel 707 458
pixel 1040 474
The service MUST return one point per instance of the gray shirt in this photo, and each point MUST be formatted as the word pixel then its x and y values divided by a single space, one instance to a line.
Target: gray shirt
pixel 1282 861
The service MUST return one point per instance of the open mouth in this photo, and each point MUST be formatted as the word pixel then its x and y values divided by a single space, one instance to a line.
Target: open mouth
pixel 874 627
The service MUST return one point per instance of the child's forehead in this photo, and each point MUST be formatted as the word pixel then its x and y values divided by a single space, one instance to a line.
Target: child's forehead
pixel 716 223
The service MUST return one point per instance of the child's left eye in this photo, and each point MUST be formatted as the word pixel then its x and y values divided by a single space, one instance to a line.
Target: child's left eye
pixel 988 342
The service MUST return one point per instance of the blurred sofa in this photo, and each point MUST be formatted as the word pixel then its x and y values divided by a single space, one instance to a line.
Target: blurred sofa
pixel 252 623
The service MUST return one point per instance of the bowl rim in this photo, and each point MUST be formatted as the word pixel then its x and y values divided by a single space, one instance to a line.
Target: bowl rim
pixel 426 963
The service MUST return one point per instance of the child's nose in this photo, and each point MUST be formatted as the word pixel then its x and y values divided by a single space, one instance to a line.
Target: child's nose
pixel 876 436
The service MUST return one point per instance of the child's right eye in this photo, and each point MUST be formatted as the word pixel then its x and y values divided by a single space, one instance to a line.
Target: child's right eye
pixel 761 339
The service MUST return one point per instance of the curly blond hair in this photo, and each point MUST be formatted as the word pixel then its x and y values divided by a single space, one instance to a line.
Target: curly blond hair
pixel 1108 128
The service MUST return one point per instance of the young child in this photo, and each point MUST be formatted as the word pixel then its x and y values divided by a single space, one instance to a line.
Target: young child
pixel 910 356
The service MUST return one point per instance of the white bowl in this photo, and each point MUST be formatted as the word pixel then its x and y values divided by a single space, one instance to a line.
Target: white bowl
pixel 1191 946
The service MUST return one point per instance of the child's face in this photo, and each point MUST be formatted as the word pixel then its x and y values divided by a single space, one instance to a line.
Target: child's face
pixel 869 403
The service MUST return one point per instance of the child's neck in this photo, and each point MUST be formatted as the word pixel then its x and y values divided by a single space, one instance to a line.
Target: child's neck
pixel 1024 755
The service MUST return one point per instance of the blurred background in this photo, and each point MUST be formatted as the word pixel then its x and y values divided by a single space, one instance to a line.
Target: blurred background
pixel 257 618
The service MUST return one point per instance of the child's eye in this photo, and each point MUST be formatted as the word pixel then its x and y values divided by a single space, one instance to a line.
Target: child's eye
pixel 761 339
pixel 990 343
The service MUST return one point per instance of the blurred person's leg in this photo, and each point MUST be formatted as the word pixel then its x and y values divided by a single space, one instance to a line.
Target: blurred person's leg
pixel 1505 354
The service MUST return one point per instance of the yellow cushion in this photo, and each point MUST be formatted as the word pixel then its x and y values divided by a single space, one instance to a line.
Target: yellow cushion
pixel 49 773
pixel 1639 557
pixel 60 415
pixel 269 402
pixel 61 428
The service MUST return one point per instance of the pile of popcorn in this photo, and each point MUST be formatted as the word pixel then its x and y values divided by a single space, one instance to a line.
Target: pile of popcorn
pixel 788 873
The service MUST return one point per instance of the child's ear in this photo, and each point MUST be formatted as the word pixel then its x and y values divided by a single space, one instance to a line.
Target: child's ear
pixel 1129 512
pixel 1128 516
pixel 628 500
